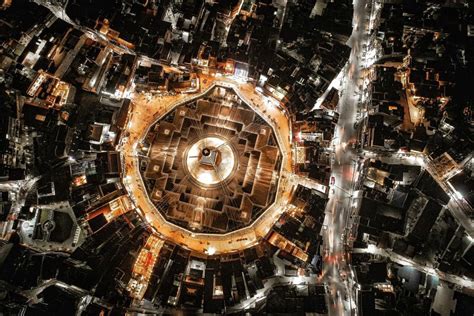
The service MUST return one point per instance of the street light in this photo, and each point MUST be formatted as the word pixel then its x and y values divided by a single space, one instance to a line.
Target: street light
pixel 371 248
pixel 210 251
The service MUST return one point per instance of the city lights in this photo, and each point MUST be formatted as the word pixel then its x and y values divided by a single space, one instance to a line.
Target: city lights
pixel 229 157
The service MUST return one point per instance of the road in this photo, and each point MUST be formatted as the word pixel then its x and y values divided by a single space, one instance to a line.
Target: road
pixel 455 279
pixel 344 171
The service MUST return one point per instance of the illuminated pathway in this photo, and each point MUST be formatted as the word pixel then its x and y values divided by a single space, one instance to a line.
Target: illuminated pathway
pixel 145 113
pixel 465 282
pixel 343 171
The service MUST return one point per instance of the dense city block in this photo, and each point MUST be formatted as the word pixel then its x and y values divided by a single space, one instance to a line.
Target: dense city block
pixel 282 157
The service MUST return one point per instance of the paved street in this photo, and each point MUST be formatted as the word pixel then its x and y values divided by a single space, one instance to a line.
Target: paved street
pixel 343 170
pixel 465 282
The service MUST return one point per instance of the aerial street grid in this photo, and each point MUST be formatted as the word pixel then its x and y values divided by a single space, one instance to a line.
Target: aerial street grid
pixel 236 157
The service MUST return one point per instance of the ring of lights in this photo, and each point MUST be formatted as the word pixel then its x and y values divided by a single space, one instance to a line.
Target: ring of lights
pixel 199 241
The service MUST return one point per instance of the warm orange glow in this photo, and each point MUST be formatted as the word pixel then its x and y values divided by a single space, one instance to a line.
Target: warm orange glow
pixel 143 267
